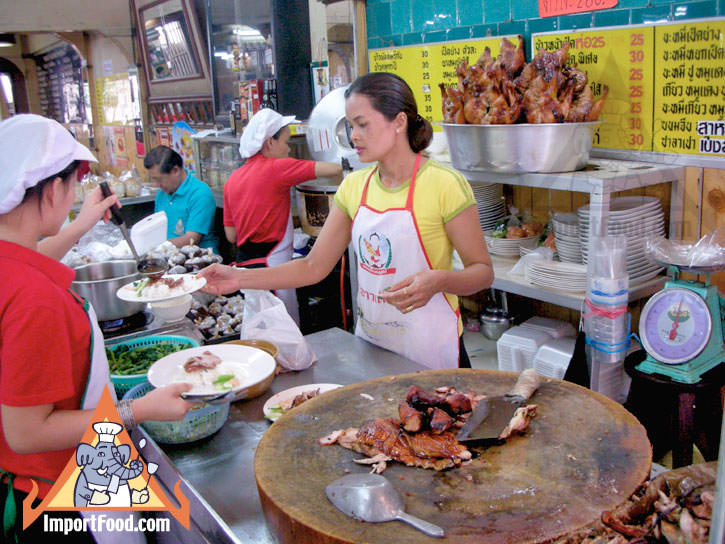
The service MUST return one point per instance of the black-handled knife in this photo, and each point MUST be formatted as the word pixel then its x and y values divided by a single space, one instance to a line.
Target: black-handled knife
pixel 117 218
pixel 491 415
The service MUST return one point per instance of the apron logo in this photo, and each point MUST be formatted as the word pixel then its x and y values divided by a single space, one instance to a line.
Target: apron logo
pixel 375 254
pixel 107 472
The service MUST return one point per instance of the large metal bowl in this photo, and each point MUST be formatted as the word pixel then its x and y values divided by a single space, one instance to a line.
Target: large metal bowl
pixel 516 149
pixel 98 283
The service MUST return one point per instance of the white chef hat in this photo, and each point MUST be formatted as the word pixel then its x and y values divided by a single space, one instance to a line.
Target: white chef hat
pixel 107 430
pixel 33 148
pixel 264 124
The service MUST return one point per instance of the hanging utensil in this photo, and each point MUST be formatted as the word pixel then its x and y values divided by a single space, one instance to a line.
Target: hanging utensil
pixel 371 497
pixel 151 267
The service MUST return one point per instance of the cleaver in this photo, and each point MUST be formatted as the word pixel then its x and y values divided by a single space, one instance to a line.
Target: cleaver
pixel 491 415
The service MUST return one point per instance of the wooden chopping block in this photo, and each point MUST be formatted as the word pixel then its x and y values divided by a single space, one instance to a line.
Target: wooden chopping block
pixel 581 455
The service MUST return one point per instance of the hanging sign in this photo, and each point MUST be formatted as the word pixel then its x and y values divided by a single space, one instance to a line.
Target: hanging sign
pixel 689 112
pixel 621 59
pixel 551 8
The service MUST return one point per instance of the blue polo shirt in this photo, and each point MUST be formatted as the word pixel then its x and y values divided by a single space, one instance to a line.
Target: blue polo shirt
pixel 190 208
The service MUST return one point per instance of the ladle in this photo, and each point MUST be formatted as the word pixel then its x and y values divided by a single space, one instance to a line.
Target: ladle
pixel 150 267
pixel 371 497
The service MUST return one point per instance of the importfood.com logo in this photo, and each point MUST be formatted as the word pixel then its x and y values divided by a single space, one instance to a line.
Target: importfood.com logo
pixel 108 482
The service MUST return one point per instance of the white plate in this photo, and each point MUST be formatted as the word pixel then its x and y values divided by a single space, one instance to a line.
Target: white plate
pixel 251 365
pixel 191 284
pixel 292 392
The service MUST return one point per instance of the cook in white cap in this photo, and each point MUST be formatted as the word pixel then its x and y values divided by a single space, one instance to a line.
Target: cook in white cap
pixel 53 365
pixel 257 196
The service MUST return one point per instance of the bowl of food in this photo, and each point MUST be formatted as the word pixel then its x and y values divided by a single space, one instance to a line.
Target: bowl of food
pixel 172 310
pixel 224 372
pixel 128 362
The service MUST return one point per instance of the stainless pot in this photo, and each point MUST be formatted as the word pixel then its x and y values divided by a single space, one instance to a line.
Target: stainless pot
pixel 98 282
pixel 314 200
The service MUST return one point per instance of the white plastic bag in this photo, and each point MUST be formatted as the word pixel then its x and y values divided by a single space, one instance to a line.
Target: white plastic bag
pixel 539 254
pixel 265 318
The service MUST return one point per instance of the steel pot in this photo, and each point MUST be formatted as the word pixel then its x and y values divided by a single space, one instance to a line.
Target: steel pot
pixel 98 283
pixel 314 200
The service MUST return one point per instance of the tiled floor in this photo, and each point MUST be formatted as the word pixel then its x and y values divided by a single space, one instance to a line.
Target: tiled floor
pixel 481 350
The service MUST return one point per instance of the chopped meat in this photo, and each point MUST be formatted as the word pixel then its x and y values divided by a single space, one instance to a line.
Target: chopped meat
pixel 440 421
pixel 299 399
pixel 422 449
pixel 521 419
pixel 206 361
pixel 456 403
pixel 421 399
pixel 330 439
pixel 379 462
pixel 411 419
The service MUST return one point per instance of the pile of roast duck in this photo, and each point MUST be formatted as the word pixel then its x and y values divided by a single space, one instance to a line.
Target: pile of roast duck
pixel 506 90
pixel 424 436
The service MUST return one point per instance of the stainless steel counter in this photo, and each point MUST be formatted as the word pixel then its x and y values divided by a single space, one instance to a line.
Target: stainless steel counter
pixel 220 469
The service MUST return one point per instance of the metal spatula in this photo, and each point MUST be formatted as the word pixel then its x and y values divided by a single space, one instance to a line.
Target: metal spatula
pixel 371 497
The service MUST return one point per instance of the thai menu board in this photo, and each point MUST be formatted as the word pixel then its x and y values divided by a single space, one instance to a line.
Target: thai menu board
pixel 690 88
pixel 620 60
pixel 424 67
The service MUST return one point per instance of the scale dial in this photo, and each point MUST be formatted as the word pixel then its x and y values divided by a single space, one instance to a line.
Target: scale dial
pixel 675 325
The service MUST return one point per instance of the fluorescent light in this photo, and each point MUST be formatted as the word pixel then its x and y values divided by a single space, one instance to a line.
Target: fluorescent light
pixel 7 40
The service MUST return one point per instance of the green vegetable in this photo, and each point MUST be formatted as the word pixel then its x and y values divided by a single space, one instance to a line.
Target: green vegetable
pixel 125 361
pixel 222 382
pixel 141 284
pixel 275 410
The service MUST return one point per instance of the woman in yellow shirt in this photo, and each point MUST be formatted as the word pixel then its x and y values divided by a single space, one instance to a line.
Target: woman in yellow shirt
pixel 405 215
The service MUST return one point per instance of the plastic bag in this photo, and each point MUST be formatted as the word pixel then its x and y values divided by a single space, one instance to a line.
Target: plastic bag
pixel 265 318
pixel 539 254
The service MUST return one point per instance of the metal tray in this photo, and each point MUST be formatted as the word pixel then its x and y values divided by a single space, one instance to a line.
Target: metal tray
pixel 517 149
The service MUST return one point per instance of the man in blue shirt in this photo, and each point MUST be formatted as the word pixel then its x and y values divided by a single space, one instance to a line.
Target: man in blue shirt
pixel 188 202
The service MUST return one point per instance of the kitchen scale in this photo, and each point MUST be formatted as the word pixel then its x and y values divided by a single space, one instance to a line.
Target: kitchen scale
pixel 682 327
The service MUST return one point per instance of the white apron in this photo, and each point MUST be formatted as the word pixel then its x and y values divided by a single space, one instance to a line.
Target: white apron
pixel 389 249
pixel 281 254
pixel 98 378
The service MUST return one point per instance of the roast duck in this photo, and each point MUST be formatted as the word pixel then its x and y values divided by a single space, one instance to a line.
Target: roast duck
pixel 424 436
pixel 506 90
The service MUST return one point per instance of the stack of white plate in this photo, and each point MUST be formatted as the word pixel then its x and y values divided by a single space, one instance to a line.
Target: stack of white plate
pixel 508 247
pixel 632 217
pixel 557 275
pixel 490 204
pixel 566 236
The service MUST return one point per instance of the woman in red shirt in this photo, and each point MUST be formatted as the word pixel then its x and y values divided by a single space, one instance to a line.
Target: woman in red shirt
pixel 51 372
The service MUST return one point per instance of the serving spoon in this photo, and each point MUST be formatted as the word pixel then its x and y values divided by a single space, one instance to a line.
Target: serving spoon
pixel 371 497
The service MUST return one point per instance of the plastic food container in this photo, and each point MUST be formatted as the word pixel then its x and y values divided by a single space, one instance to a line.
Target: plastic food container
pixel 197 424
pixel 123 382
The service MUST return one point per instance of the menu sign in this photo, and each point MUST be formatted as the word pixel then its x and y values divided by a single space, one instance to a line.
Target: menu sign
pixel 620 59
pixel 424 67
pixel 690 88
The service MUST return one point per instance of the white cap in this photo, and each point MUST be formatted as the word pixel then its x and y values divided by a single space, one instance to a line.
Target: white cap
pixel 107 430
pixel 33 148
pixel 264 124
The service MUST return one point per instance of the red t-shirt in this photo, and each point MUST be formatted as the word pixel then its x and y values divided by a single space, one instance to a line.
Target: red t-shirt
pixel 44 351
pixel 257 196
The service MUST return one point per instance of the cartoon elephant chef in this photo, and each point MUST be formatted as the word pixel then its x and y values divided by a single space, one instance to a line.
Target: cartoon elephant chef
pixel 103 480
